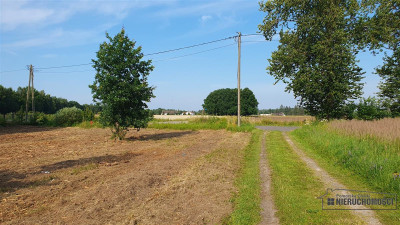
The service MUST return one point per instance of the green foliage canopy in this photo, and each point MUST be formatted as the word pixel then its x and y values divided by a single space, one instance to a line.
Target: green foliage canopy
pixel 68 116
pixel 316 57
pixel 121 84
pixel 224 102
pixel 8 100
pixel 384 33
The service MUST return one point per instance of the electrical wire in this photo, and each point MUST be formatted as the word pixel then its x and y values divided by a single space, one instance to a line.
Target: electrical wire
pixel 194 53
pixel 56 67
pixel 76 71
pixel 7 71
pixel 155 53
pixel 191 46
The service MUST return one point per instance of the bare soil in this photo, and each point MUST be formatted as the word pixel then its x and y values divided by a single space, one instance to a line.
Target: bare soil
pixel 80 176
pixel 268 209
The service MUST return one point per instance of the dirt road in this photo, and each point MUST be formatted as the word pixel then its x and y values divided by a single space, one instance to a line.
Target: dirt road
pixel 268 209
pixel 367 216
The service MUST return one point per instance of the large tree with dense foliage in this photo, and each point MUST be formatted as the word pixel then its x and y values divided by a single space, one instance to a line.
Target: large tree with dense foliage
pixel 8 100
pixel 316 55
pixel 224 102
pixel 121 84
pixel 379 29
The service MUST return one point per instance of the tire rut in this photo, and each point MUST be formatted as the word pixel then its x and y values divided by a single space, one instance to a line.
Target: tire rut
pixel 367 216
pixel 268 209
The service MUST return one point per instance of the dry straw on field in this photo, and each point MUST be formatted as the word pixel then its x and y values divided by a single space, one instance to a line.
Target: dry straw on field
pixel 384 129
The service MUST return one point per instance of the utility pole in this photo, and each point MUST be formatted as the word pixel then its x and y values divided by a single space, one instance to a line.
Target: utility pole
pixel 27 93
pixel 238 76
pixel 33 91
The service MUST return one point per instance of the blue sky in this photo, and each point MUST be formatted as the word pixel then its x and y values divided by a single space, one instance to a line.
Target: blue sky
pixel 55 33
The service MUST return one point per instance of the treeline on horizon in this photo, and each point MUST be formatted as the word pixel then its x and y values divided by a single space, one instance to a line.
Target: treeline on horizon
pixel 12 101
pixel 287 110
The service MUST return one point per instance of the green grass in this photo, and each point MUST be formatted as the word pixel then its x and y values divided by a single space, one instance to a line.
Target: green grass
pixel 204 123
pixel 247 199
pixel 295 189
pixel 359 163
pixel 89 124
pixel 266 122
pixel 90 166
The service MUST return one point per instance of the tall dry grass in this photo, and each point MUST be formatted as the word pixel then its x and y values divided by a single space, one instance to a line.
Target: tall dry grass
pixel 385 129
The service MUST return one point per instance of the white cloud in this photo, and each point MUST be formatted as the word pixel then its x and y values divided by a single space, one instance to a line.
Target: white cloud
pixel 15 14
pixel 214 7
pixel 60 38
pixel 49 55
pixel 205 18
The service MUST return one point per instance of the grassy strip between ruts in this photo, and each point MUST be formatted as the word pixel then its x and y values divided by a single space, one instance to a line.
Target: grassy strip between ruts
pixel 247 199
pixel 360 164
pixel 295 188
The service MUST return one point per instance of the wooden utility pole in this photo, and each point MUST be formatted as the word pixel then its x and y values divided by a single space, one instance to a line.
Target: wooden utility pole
pixel 33 91
pixel 238 76
pixel 27 93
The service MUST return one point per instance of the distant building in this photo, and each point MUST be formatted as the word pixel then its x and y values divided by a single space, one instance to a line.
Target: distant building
pixel 169 112
pixel 266 114
pixel 190 113
pixel 279 114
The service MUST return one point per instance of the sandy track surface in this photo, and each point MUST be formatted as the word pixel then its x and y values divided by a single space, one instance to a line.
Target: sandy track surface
pixel 268 208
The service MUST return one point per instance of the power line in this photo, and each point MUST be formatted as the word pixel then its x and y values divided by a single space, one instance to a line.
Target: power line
pixel 56 67
pixel 155 53
pixel 7 71
pixel 191 46
pixel 251 34
pixel 194 53
pixel 76 71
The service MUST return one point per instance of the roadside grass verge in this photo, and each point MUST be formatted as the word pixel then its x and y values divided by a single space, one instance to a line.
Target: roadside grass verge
pixel 360 163
pixel 247 199
pixel 295 188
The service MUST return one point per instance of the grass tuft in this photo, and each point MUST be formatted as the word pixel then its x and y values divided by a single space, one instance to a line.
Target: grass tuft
pixel 247 199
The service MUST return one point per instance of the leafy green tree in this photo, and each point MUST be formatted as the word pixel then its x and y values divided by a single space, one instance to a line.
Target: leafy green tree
pixel 8 101
pixel 248 102
pixel 121 84
pixel 87 114
pixel 224 102
pixel 384 33
pixel 370 109
pixel 390 85
pixel 316 55
pixel 378 29
pixel 68 116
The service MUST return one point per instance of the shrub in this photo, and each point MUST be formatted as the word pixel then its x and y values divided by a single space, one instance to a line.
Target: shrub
pixel 2 121
pixel 370 109
pixel 88 114
pixel 41 119
pixel 19 116
pixel 68 116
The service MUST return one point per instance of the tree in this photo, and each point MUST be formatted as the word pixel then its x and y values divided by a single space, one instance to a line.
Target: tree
pixel 383 32
pixel 121 84
pixel 224 102
pixel 316 55
pixel 370 109
pixel 8 101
